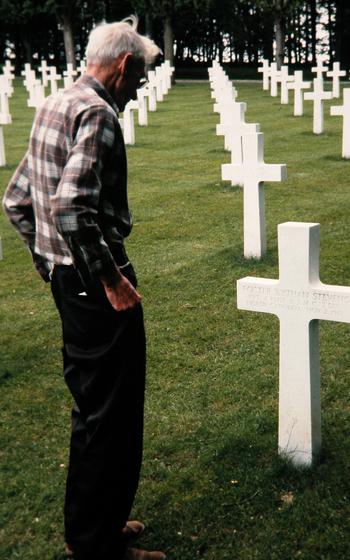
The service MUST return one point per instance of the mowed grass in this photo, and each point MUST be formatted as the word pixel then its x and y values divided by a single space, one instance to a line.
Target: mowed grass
pixel 212 486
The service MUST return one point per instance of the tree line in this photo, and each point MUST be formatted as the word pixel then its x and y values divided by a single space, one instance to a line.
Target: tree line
pixel 191 32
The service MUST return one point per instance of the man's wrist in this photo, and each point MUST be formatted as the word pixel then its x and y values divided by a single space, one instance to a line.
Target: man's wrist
pixel 112 279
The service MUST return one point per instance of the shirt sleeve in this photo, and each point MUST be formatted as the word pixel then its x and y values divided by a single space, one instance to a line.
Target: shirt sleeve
pixel 17 204
pixel 76 202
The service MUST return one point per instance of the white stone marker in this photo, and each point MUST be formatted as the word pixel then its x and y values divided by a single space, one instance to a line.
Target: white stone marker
pixel 251 173
pixel 232 126
pixel 152 91
pixel 285 79
pixel 319 70
pixel 69 75
pixel 142 95
pixel 53 79
pixel 44 70
pixel 82 67
pixel 318 96
pixel 344 111
pixel 265 71
pixel 336 73
pixel 5 117
pixel 274 77
pixel 298 85
pixel 128 122
pixel 8 71
pixel 299 299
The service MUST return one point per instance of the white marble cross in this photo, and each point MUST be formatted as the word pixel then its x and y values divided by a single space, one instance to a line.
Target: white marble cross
pixel 298 85
pixel 152 91
pixel 251 173
pixel 128 122
pixel 318 96
pixel 300 300
pixel 168 70
pixel 69 75
pixel 344 111
pixel 232 126
pixel 336 73
pixel 82 67
pixel 319 69
pixel 265 70
pixel 142 95
pixel 274 78
pixel 37 95
pixel 44 70
pixel 53 78
pixel 29 75
pixel 160 84
pixel 5 116
pixel 8 71
pixel 285 79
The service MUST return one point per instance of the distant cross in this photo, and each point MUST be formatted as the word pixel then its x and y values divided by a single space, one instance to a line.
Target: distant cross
pixel 298 85
pixel 142 95
pixel 319 69
pixel 28 74
pixel 300 300
pixel 69 75
pixel 82 68
pixel 336 73
pixel 169 70
pixel 53 78
pixel 152 91
pixel 265 71
pixel 318 96
pixel 5 117
pixel 251 173
pixel 232 126
pixel 344 111
pixel 44 70
pixel 285 79
pixel 8 71
pixel 160 84
pixel 225 98
pixel 274 78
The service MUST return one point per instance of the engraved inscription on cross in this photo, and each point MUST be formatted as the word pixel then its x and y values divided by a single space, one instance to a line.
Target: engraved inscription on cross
pixel 251 173
pixel 300 300
pixel 344 111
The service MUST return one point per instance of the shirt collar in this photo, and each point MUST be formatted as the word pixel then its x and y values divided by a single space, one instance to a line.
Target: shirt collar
pixel 97 86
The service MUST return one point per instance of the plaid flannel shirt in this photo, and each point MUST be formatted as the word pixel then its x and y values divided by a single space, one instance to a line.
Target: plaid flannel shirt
pixel 68 197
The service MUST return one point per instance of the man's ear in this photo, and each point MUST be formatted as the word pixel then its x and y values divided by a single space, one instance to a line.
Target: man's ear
pixel 125 64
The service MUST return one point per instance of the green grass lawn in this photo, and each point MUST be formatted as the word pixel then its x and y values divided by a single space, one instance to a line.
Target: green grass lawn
pixel 212 484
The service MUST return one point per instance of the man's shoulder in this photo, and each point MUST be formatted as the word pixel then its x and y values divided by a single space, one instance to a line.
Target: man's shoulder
pixel 77 99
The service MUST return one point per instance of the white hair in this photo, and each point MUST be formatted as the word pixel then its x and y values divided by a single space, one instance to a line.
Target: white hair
pixel 108 40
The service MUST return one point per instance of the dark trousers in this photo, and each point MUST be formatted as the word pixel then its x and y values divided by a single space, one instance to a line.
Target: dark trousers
pixel 104 368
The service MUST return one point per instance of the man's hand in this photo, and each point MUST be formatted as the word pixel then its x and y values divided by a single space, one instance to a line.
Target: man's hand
pixel 122 295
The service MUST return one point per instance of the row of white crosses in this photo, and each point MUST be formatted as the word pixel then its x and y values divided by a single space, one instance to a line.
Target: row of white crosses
pixel 247 167
pixel 159 83
pixel 300 300
pixel 318 95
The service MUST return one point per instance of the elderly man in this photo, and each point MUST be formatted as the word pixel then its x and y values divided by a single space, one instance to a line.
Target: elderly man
pixel 68 200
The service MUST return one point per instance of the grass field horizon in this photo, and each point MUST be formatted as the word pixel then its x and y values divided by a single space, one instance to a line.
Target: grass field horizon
pixel 212 485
